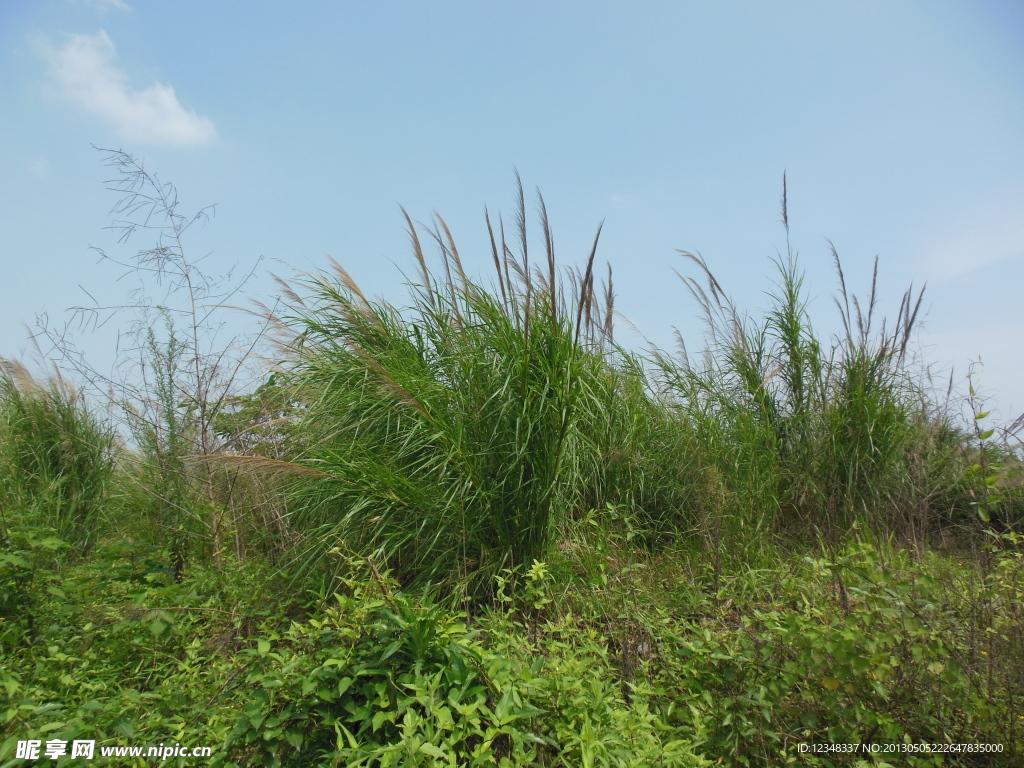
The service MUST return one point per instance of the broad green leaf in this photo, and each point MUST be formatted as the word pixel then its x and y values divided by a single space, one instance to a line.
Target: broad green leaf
pixel 432 750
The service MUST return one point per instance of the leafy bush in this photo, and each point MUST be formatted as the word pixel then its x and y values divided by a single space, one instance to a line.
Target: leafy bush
pixel 121 652
pixel 28 571
pixel 384 682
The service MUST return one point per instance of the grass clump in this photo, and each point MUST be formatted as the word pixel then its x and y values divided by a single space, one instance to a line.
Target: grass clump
pixel 810 437
pixel 56 456
pixel 446 438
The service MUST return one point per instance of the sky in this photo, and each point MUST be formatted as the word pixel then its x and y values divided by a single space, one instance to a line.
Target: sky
pixel 899 126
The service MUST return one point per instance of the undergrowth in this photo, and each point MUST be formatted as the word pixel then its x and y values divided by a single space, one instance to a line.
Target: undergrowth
pixel 637 662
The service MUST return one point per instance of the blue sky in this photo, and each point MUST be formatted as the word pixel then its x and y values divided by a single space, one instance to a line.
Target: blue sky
pixel 900 126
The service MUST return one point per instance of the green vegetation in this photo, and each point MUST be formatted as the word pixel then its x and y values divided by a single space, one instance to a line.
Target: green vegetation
pixel 473 530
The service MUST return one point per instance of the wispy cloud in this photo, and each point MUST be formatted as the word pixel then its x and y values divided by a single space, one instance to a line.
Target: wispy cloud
pixel 106 5
pixel 86 72
pixel 989 239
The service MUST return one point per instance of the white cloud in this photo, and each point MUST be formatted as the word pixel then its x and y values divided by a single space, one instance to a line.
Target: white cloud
pixel 86 72
pixel 38 168
pixel 989 233
pixel 105 5
pixel 960 256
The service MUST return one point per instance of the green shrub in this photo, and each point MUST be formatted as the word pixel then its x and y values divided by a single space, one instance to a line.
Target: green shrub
pixel 384 682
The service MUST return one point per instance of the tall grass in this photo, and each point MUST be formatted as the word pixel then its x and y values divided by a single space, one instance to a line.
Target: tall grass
pixel 451 437
pixel 450 434
pixel 811 436
pixel 56 456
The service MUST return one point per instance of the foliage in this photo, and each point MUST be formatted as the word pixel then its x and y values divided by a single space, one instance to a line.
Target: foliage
pixel 27 572
pixel 877 661
pixel 631 662
pixel 384 681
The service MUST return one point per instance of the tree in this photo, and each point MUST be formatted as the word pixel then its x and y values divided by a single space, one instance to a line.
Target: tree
pixel 173 375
